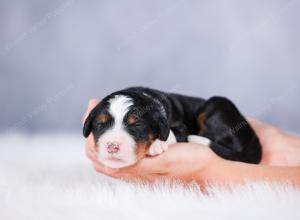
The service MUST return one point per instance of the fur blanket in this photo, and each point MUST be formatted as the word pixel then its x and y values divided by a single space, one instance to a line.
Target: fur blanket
pixel 48 177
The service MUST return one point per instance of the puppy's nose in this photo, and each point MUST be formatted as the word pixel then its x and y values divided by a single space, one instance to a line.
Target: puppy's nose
pixel 113 147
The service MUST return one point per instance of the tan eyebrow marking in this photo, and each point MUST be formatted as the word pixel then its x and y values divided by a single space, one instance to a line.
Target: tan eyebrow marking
pixel 103 118
pixel 201 122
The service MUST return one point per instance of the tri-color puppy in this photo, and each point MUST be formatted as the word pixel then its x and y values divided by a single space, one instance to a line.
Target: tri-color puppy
pixel 135 122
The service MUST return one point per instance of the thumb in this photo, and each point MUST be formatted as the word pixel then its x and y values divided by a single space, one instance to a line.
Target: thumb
pixel 92 104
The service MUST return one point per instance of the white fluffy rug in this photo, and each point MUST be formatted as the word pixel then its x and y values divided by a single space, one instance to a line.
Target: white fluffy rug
pixel 48 177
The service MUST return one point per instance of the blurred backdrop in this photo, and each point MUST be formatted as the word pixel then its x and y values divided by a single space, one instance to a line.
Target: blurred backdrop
pixel 55 55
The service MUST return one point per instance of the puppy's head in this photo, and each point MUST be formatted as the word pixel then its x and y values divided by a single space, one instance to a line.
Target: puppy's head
pixel 124 126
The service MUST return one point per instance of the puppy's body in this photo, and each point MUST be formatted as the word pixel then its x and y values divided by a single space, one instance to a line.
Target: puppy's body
pixel 131 123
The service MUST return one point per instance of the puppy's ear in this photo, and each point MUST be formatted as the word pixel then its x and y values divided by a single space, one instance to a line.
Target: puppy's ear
pixel 163 128
pixel 88 124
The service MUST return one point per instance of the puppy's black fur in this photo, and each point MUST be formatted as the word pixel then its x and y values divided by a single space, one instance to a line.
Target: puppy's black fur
pixel 216 119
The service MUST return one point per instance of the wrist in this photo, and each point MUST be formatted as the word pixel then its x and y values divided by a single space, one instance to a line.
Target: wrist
pixel 208 169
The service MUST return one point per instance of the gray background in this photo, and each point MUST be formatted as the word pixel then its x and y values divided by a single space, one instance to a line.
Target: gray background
pixel 55 55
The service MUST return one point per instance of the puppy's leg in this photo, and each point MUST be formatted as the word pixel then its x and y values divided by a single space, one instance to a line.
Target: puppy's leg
pixel 158 146
pixel 230 134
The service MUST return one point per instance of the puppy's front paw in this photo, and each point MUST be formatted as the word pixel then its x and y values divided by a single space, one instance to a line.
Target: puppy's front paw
pixel 157 147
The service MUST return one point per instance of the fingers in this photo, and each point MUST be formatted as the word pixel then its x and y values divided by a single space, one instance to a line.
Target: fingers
pixel 92 104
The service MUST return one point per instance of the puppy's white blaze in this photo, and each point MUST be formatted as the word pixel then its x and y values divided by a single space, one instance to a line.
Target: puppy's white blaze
pixel 118 108
pixel 198 140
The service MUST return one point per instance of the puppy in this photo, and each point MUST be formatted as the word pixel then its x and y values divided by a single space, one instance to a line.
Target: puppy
pixel 132 123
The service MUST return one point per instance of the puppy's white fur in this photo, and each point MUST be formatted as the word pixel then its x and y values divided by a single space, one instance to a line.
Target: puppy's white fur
pixel 196 139
pixel 158 146
pixel 119 106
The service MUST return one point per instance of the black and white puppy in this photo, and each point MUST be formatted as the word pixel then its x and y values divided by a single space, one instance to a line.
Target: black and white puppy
pixel 135 122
